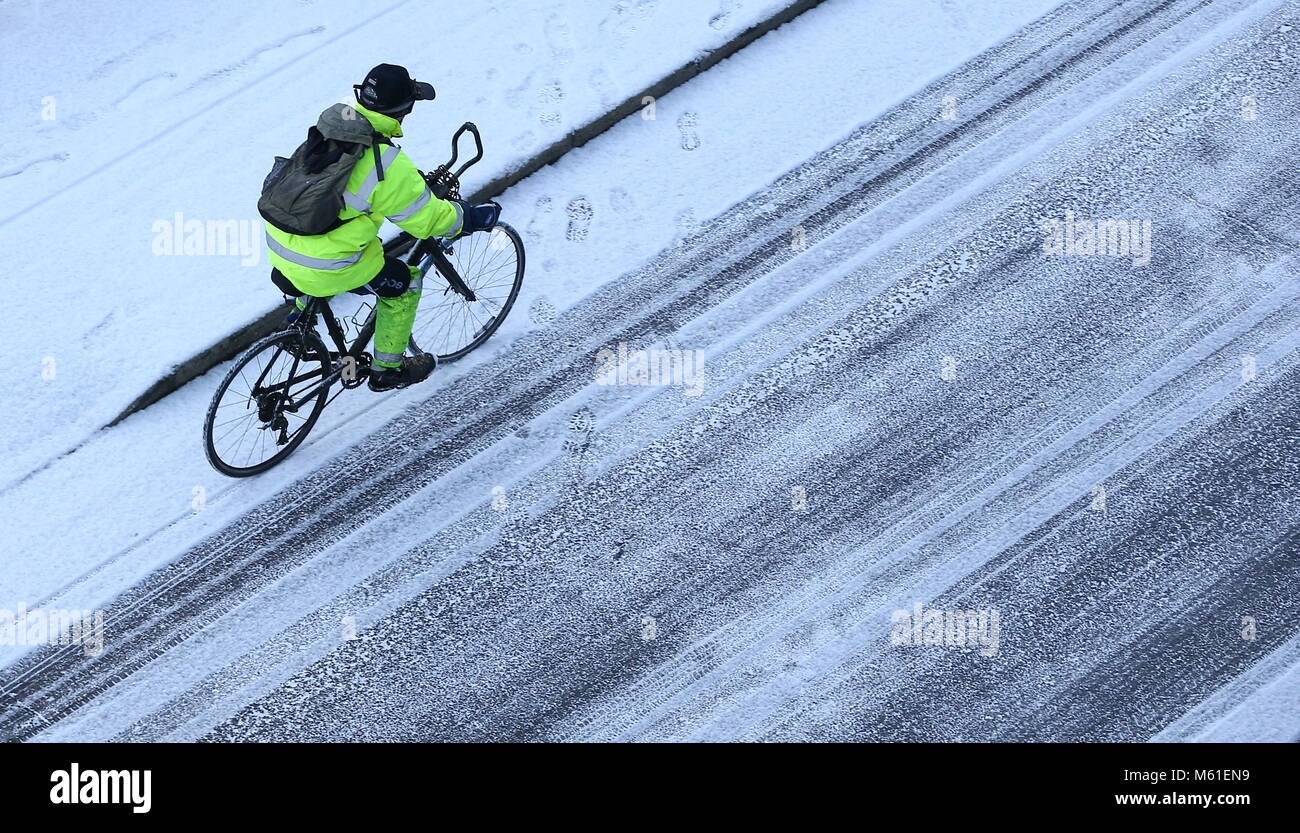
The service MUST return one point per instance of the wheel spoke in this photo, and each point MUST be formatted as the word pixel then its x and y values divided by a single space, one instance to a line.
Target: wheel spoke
pixel 450 325
pixel 248 440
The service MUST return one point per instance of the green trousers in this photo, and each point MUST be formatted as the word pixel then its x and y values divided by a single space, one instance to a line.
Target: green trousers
pixel 394 318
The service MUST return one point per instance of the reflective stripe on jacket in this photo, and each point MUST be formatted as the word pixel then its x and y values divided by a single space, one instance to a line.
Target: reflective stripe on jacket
pixel 352 254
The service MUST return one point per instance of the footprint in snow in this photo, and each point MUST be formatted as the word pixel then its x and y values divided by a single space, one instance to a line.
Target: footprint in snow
pixel 541 209
pixel 524 142
pixel 581 424
pixel 54 157
pixel 599 81
pixel 686 225
pixel 559 39
pixel 719 20
pixel 626 18
pixel 686 124
pixel 620 201
pixel 579 211
pixel 550 93
pixel 541 311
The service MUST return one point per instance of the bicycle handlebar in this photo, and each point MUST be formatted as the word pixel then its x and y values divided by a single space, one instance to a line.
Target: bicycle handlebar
pixel 442 180
pixel 455 148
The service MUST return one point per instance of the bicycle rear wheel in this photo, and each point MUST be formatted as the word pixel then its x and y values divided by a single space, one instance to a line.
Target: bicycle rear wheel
pixel 492 266
pixel 267 403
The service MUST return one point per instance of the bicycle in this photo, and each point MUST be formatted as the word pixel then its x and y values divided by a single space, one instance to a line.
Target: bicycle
pixel 482 274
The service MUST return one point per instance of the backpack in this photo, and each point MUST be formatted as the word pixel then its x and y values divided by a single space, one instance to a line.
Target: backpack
pixel 303 194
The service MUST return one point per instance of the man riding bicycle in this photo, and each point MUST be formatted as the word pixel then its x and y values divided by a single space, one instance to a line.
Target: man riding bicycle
pixel 349 257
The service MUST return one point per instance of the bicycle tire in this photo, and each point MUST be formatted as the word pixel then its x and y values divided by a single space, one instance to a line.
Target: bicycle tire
pixel 314 345
pixel 494 323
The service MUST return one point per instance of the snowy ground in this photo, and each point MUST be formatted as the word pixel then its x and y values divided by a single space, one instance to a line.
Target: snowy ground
pixel 919 406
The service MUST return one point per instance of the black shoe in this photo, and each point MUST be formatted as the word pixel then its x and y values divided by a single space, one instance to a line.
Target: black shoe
pixel 414 369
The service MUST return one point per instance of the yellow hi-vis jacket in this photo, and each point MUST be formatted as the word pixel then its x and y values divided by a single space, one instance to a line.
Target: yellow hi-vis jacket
pixel 352 254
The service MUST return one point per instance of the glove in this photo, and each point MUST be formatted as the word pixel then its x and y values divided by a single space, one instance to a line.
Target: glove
pixel 478 217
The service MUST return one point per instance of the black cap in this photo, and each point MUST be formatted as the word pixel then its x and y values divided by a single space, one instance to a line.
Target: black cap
pixel 389 89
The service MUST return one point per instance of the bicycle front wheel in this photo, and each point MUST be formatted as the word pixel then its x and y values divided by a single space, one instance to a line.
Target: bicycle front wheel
pixel 267 403
pixel 492 266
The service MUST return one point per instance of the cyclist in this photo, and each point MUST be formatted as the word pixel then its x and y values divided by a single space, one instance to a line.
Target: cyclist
pixel 350 257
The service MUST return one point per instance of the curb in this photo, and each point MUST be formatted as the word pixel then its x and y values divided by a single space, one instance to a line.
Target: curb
pixel 238 341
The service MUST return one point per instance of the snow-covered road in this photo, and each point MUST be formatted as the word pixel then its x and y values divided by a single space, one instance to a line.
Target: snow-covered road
pixel 905 400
